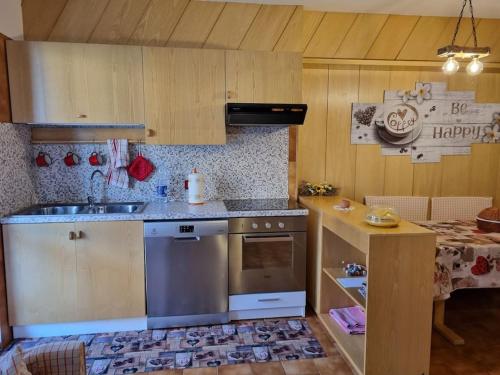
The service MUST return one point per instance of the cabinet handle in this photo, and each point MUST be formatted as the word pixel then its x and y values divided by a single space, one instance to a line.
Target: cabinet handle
pixel 81 115
pixel 269 299
pixel 230 95
pixel 150 133
pixel 72 236
pixel 79 234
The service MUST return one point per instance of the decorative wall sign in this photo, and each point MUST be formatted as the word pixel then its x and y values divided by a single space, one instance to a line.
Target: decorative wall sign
pixel 426 122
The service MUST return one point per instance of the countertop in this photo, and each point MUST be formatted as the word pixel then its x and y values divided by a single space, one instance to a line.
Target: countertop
pixel 156 211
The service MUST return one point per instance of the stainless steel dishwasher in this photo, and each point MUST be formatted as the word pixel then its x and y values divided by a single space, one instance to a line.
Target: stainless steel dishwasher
pixel 186 273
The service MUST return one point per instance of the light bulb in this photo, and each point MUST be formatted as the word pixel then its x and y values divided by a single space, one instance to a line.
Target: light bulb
pixel 450 66
pixel 474 67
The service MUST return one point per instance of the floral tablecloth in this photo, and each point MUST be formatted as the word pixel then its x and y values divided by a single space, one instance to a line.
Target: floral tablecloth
pixel 465 257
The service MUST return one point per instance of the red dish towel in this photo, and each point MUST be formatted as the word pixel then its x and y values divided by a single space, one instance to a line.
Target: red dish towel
pixel 117 164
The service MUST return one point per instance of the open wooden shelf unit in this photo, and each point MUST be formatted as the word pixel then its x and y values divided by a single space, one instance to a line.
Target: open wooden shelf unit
pixel 398 306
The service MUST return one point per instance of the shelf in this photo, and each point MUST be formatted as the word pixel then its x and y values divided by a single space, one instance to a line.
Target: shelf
pixel 352 346
pixel 352 293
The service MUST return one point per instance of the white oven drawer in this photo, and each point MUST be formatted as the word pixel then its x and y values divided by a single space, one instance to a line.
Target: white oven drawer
pixel 266 300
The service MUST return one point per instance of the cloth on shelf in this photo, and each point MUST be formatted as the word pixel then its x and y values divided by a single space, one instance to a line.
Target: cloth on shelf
pixel 351 319
pixel 364 289
pixel 117 174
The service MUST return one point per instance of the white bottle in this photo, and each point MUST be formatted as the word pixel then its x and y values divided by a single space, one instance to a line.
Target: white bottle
pixel 196 188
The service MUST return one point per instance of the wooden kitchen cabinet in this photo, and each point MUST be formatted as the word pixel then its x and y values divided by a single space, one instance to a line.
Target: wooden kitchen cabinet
pixel 110 270
pixel 40 271
pixel 52 278
pixel 263 77
pixel 75 83
pixel 184 93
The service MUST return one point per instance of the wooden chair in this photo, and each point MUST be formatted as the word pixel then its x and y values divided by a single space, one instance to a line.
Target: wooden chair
pixel 460 208
pixel 409 208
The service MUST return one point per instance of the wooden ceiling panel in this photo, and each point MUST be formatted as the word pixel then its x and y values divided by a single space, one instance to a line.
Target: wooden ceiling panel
pixel 488 35
pixel 195 25
pixel 329 35
pixel 423 38
pixel 361 36
pixel 232 25
pixel 39 18
pixel 77 20
pixel 291 38
pixel 267 27
pixel 118 21
pixel 158 22
pixel 392 37
pixel 312 19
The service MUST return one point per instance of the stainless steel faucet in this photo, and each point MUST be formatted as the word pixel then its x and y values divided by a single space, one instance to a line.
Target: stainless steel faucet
pixel 91 199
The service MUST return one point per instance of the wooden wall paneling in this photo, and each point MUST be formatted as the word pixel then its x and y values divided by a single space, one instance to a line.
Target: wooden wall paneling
pixel 392 37
pixel 291 38
pixel 370 163
pixel 361 35
pixel 77 20
pixel 488 35
pixel 423 38
pixel 158 22
pixel 39 19
pixel 118 21
pixel 343 83
pixel 311 21
pixel 5 115
pixel 267 27
pixel 329 34
pixel 312 135
pixel 399 169
pixel 232 25
pixel 195 24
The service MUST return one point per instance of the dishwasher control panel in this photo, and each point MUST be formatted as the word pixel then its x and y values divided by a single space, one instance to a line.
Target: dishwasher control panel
pixel 184 228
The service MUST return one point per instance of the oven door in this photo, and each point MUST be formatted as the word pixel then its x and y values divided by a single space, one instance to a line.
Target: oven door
pixel 267 262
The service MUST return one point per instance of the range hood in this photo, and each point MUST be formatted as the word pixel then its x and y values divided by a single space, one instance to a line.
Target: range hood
pixel 256 114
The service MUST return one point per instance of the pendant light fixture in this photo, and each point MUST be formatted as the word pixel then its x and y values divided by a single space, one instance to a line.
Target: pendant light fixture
pixel 452 51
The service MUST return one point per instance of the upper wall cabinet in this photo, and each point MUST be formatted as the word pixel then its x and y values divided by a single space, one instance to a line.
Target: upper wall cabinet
pixel 263 77
pixel 73 83
pixel 184 92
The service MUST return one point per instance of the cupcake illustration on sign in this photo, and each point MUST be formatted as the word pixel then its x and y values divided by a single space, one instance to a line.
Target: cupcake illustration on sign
pixel 401 124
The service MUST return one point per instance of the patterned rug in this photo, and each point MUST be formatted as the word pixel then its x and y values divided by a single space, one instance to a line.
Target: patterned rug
pixel 205 346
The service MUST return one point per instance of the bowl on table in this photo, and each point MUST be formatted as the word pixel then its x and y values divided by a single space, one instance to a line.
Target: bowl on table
pixel 488 220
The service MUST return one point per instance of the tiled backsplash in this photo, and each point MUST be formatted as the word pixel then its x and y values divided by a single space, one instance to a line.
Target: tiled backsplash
pixel 253 164
pixel 17 189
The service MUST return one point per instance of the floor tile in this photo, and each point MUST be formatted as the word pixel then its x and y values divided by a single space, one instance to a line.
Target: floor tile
pixel 300 367
pixel 244 369
pixel 200 371
pixel 271 368
pixel 332 365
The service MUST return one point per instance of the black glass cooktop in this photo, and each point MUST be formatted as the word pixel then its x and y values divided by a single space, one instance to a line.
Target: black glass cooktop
pixel 260 204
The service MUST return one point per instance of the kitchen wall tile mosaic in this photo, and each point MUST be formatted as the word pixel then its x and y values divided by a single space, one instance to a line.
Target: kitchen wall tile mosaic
pixel 253 164
pixel 17 188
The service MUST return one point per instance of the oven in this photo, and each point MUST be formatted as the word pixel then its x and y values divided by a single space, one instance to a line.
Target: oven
pixel 267 254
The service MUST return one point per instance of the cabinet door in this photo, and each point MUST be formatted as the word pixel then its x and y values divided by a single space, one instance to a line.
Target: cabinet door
pixel 263 77
pixel 110 270
pixel 65 83
pixel 40 269
pixel 184 95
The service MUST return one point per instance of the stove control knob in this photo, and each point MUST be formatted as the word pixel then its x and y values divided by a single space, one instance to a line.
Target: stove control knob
pixel 268 225
pixel 281 225
pixel 255 225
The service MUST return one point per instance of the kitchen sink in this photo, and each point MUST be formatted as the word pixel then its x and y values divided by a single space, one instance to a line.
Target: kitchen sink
pixel 82 209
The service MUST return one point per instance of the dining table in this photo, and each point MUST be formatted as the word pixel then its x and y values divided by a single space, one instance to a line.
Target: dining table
pixel 466 257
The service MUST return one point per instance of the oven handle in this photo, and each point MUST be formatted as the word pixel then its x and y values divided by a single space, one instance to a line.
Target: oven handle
pixel 257 239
